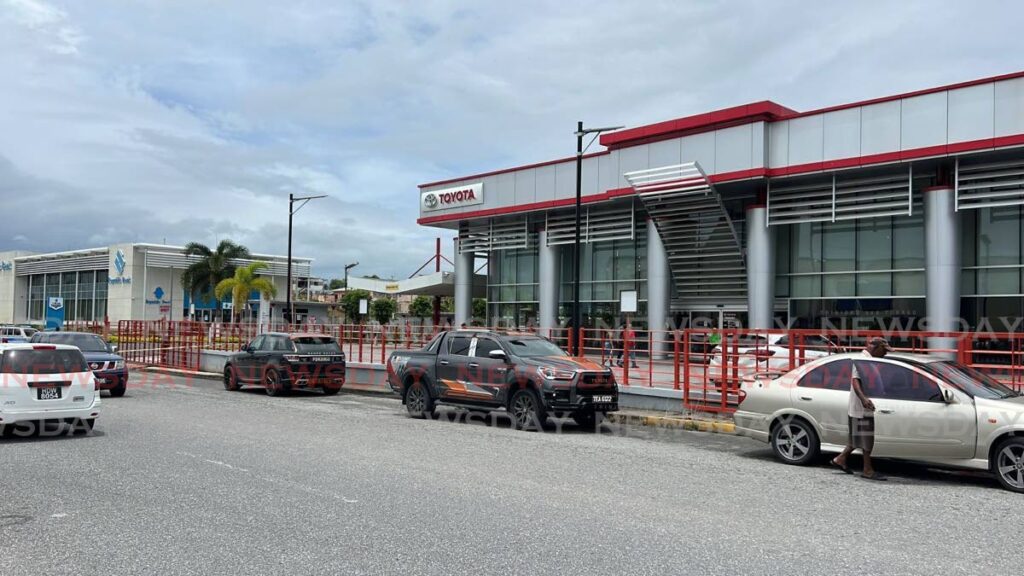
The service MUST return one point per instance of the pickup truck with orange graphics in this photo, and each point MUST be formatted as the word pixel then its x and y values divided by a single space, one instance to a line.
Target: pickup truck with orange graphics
pixel 527 375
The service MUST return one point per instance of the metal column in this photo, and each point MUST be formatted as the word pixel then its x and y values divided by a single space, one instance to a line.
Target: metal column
pixel 760 268
pixel 659 291
pixel 942 265
pixel 463 286
pixel 548 284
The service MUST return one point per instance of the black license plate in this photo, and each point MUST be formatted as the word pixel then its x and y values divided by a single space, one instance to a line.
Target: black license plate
pixel 49 393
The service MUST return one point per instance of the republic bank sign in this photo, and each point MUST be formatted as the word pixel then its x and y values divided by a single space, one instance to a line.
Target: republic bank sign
pixel 457 197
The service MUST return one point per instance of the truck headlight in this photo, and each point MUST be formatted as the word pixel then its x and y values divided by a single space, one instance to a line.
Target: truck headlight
pixel 552 373
pixel 119 365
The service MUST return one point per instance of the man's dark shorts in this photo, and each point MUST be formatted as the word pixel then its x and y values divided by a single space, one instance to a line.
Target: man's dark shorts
pixel 862 433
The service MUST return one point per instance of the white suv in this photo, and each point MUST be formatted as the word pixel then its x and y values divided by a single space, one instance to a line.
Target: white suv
pixel 40 382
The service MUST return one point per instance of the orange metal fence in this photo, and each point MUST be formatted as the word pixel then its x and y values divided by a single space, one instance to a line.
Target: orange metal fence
pixel 706 366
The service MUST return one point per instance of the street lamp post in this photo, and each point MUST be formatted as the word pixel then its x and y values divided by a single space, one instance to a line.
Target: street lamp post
pixel 347 268
pixel 576 317
pixel 292 199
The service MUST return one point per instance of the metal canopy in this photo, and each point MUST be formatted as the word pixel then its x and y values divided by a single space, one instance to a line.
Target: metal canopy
pixel 989 184
pixel 705 252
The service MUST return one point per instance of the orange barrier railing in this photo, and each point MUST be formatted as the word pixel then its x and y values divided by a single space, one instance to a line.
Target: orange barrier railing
pixel 706 366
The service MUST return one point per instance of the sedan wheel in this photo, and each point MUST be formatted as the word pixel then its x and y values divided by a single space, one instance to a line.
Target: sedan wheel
pixel 1009 464
pixel 230 379
pixel 794 441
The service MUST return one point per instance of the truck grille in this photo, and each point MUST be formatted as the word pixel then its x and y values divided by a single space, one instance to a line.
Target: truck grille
pixel 595 383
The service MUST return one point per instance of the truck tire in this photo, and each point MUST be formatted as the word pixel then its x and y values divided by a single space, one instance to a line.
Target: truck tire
pixel 418 402
pixel 527 411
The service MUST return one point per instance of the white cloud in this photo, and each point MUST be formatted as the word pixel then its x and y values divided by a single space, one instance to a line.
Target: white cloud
pixel 188 120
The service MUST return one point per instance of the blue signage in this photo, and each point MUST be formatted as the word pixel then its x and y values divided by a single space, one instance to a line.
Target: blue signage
pixel 6 266
pixel 120 263
pixel 55 313
pixel 159 294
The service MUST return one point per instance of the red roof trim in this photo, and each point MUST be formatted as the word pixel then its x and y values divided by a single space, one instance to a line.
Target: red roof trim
pixel 724 118
pixel 514 169
pixel 889 157
pixel 923 92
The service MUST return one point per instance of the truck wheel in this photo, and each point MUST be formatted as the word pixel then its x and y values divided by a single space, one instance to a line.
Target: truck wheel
pixel 119 390
pixel 418 401
pixel 331 389
pixel 272 382
pixel 526 410
pixel 588 419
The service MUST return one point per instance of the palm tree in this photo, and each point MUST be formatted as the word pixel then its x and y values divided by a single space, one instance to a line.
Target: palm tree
pixel 244 283
pixel 213 267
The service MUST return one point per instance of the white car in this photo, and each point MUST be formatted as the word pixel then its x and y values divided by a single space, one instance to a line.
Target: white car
pixel 756 353
pixel 927 409
pixel 14 334
pixel 42 382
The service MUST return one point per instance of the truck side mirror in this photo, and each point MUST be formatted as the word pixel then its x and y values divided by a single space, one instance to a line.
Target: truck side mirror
pixel 498 355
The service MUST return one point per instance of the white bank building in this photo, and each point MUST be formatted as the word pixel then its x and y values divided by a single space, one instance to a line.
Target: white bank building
pixel 119 282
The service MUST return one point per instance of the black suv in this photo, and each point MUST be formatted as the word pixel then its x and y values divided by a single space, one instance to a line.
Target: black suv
pixel 280 362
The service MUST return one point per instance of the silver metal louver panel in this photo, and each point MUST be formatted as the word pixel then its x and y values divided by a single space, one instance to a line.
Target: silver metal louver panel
pixel 597 224
pixel 837 198
pixel 155 259
pixel 701 239
pixel 494 235
pixel 989 184
pixel 62 264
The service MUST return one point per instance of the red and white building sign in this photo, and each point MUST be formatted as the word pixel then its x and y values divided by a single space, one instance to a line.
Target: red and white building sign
pixel 457 197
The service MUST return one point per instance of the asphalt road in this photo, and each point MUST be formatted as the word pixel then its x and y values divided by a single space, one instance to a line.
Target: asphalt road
pixel 186 478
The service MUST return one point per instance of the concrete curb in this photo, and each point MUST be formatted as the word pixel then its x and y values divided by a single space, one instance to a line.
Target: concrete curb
pixel 350 387
pixel 676 422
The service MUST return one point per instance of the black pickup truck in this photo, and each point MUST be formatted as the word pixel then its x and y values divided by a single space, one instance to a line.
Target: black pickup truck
pixel 527 375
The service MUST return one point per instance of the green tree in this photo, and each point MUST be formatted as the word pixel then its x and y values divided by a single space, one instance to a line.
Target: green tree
pixel 350 303
pixel 242 284
pixel 382 309
pixel 447 304
pixel 480 309
pixel 213 266
pixel 421 307
pixel 336 284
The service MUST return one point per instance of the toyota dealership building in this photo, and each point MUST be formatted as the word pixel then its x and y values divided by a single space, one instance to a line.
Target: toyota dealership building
pixel 864 215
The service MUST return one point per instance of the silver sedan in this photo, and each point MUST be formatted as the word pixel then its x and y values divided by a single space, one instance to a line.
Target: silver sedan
pixel 927 409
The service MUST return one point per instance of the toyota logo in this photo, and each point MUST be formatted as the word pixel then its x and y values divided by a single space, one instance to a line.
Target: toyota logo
pixel 430 201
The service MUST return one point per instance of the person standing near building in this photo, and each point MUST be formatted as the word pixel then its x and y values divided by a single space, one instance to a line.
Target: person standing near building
pixel 861 413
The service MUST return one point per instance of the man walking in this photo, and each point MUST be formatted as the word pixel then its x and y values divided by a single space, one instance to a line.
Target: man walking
pixel 861 413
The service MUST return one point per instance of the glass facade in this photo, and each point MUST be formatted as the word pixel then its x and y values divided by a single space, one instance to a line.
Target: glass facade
pixel 84 294
pixel 606 269
pixel 858 274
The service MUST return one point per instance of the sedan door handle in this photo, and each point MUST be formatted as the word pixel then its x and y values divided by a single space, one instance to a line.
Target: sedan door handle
pixel 473 365
pixel 442 362
pixel 806 398
pixel 886 410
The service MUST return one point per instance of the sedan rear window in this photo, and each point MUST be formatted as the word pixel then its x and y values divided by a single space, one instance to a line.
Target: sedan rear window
pixel 316 344
pixel 42 362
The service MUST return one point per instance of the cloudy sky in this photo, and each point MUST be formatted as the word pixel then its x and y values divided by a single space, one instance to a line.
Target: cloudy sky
pixel 188 120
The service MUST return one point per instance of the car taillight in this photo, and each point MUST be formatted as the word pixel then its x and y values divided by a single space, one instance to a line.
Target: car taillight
pixel 44 347
pixel 741 394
